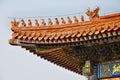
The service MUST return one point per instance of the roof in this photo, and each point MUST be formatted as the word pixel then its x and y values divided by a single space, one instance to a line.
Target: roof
pixel 52 41
pixel 67 33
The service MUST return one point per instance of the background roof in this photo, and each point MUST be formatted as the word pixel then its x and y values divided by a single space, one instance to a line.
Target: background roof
pixel 19 64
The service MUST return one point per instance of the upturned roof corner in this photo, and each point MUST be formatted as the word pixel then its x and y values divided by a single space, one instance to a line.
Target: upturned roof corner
pixel 70 42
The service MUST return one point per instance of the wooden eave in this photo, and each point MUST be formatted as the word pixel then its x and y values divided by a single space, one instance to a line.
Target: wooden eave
pixel 57 56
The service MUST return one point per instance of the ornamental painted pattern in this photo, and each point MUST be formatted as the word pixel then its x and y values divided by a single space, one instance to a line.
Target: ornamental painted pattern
pixel 116 69
pixel 111 69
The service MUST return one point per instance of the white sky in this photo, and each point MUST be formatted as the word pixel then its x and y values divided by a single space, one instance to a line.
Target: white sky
pixel 17 63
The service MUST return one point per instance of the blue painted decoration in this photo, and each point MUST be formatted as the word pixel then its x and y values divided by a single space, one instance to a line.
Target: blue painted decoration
pixel 111 69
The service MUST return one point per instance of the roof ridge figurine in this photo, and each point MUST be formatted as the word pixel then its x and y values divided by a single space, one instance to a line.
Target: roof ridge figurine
pixel 93 15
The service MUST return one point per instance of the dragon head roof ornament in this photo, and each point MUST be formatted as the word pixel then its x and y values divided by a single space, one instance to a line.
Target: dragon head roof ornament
pixel 93 15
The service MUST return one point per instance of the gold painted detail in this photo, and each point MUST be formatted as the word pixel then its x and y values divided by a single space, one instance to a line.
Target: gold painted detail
pixel 87 69
pixel 116 69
